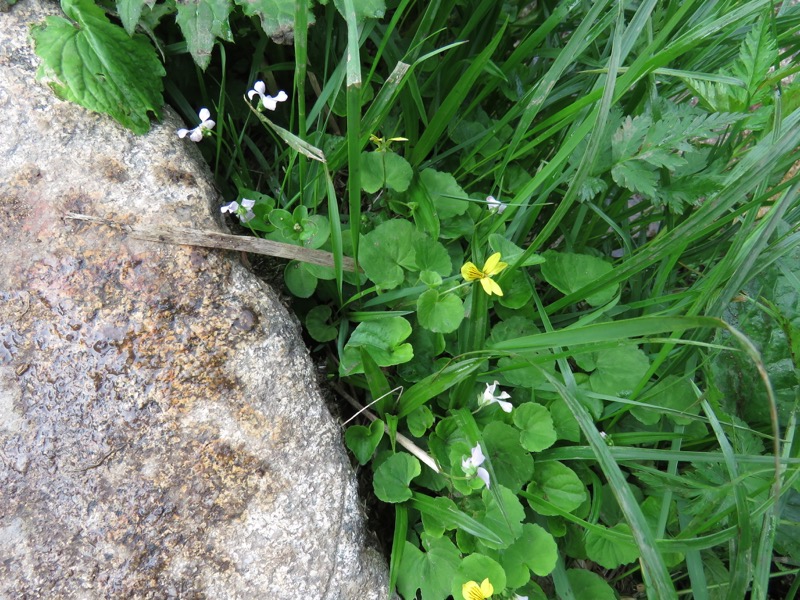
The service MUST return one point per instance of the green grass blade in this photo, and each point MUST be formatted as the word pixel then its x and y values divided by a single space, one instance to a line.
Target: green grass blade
pixel 354 145
pixel 336 234
pixel 449 107
pixel 398 543
pixel 602 332
pixel 433 385
pixel 741 565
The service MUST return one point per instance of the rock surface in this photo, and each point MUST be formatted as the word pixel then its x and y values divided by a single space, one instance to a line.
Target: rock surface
pixel 161 431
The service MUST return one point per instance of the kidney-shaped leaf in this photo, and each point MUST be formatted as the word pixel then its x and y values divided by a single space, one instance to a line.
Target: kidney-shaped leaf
pixel 382 339
pixel 393 476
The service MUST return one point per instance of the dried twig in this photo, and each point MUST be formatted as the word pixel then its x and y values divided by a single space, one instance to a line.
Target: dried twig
pixel 401 439
pixel 214 239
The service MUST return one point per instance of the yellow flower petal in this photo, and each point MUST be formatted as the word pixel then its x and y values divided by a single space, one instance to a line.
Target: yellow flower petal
pixel 470 272
pixel 472 591
pixel 493 265
pixel 491 262
pixel 486 588
pixel 490 286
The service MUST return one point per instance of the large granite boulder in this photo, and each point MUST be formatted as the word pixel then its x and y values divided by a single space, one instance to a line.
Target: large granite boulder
pixel 162 434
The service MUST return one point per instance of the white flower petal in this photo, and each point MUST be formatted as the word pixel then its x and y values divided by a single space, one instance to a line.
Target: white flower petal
pixel 269 103
pixel 282 96
pixel 208 125
pixel 196 135
pixel 182 133
pixel 484 475
pixel 204 114
pixel 477 457
pixel 247 216
pixel 260 88
pixel 231 207
pixel 506 406
pixel 247 203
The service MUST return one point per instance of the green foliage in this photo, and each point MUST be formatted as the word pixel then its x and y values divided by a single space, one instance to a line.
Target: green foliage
pixel 394 475
pixel 568 273
pixel 633 151
pixel 362 441
pixel 94 63
pixel 383 340
pixel 770 316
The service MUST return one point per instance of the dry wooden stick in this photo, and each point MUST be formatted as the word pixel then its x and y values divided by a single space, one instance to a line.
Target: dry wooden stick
pixel 214 239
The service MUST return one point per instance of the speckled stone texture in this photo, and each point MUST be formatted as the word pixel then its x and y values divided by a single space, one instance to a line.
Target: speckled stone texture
pixel 161 431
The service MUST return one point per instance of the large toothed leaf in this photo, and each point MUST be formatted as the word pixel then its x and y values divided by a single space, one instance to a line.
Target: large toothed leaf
pixel 277 16
pixel 96 64
pixel 202 22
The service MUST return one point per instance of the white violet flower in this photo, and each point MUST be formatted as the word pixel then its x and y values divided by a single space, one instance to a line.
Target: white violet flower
pixel 472 465
pixel 197 134
pixel 495 205
pixel 268 102
pixel 489 397
pixel 243 211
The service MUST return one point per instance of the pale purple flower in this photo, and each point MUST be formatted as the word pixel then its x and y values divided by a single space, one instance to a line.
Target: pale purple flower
pixel 472 465
pixel 489 397
pixel 199 132
pixel 243 211
pixel 268 102
pixel 495 205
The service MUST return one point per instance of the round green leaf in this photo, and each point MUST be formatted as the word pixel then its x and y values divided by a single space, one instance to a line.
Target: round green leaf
pixel 299 281
pixel 383 339
pixel 477 567
pixel 608 552
pixel 619 370
pixel 362 440
pixel 535 550
pixel 505 520
pixel 419 421
pixel 517 291
pixel 372 176
pixel 537 427
pixel 564 421
pixel 427 346
pixel 568 272
pixel 318 324
pixel 316 231
pixel 447 196
pixel 527 370
pixel 430 572
pixel 391 479
pixel 558 484
pixel 439 313
pixel 511 252
pixel 430 278
pixel 513 466
pixel 432 256
pixel 397 171
pixel 672 392
pixel 513 327
pixel 589 586
pixel 387 251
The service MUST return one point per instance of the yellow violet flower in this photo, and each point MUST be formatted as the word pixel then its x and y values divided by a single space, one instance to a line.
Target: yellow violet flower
pixel 492 266
pixel 472 591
